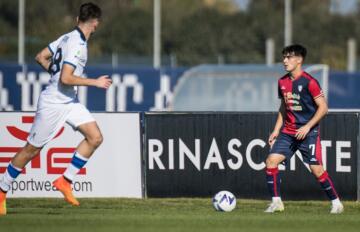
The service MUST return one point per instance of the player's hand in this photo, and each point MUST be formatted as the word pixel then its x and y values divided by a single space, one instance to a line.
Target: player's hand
pixel 103 82
pixel 302 132
pixel 272 138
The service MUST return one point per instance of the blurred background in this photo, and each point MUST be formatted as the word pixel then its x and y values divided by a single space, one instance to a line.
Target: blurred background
pixel 177 50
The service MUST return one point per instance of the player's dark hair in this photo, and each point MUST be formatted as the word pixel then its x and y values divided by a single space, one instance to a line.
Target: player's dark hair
pixel 89 11
pixel 296 49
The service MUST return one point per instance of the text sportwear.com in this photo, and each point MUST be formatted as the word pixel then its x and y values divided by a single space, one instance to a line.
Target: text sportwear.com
pixel 35 185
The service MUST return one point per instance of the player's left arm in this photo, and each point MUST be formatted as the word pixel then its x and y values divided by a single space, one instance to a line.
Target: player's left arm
pixel 44 58
pixel 322 109
pixel 68 77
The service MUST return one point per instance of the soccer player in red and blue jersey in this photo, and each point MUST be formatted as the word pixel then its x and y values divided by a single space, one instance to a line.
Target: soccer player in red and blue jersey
pixel 302 107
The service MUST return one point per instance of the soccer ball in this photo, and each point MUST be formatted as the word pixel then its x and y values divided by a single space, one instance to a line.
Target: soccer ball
pixel 224 201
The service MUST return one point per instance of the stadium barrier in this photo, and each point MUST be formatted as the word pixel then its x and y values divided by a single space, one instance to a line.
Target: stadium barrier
pixel 113 171
pixel 244 88
pixel 133 89
pixel 344 90
pixel 199 154
pixel 182 154
pixel 210 87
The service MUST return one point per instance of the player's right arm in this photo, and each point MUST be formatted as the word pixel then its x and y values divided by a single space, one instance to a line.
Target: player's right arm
pixel 67 77
pixel 278 124
pixel 44 58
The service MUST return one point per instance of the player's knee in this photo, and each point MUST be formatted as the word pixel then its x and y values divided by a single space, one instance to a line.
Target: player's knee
pixel 96 140
pixel 271 163
pixel 268 162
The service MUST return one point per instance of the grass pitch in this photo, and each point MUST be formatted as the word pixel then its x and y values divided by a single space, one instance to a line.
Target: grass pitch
pixel 179 214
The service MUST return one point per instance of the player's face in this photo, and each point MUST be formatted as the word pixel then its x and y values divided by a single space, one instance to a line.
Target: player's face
pixel 291 62
pixel 95 24
pixel 92 24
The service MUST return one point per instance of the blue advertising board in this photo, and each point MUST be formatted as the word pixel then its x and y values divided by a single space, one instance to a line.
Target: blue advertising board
pixel 136 88
pixel 133 89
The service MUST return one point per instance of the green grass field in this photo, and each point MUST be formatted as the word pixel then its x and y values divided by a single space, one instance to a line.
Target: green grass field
pixel 180 214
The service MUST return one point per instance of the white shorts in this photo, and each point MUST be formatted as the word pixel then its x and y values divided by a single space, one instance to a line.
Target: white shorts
pixel 50 118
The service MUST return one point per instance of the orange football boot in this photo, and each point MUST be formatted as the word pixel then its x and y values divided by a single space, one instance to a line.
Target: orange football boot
pixel 64 187
pixel 2 203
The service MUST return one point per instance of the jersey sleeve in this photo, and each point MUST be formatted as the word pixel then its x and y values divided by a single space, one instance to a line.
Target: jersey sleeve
pixel 315 89
pixel 53 45
pixel 72 52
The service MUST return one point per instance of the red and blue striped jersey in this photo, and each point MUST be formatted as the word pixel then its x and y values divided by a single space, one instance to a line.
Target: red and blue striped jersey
pixel 299 96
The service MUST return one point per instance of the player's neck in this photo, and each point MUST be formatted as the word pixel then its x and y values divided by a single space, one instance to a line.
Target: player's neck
pixel 296 73
pixel 85 30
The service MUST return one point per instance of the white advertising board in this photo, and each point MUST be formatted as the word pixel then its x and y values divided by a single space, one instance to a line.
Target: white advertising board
pixel 114 170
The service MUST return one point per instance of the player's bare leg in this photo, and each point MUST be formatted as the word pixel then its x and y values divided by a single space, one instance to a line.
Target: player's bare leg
pixel 18 162
pixel 273 182
pixel 328 187
pixel 93 139
pixel 84 151
pixel 25 155
pixel 273 160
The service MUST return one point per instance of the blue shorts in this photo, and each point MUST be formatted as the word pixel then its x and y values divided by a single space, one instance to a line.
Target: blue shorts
pixel 310 147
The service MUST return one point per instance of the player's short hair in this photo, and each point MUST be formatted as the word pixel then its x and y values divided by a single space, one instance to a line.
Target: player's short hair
pixel 89 11
pixel 296 49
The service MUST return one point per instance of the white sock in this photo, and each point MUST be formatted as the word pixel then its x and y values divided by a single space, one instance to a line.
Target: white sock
pixel 336 201
pixel 276 199
pixel 77 162
pixel 7 180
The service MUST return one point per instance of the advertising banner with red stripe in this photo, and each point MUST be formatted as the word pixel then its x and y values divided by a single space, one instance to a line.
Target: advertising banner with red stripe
pixel 114 170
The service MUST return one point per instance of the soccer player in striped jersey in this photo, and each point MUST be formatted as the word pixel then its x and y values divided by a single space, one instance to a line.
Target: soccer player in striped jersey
pixel 64 59
pixel 303 105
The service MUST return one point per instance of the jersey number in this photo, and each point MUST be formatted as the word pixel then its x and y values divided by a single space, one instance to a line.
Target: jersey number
pixel 55 64
pixel 312 148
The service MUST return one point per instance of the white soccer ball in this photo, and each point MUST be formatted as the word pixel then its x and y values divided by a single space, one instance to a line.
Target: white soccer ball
pixel 224 201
